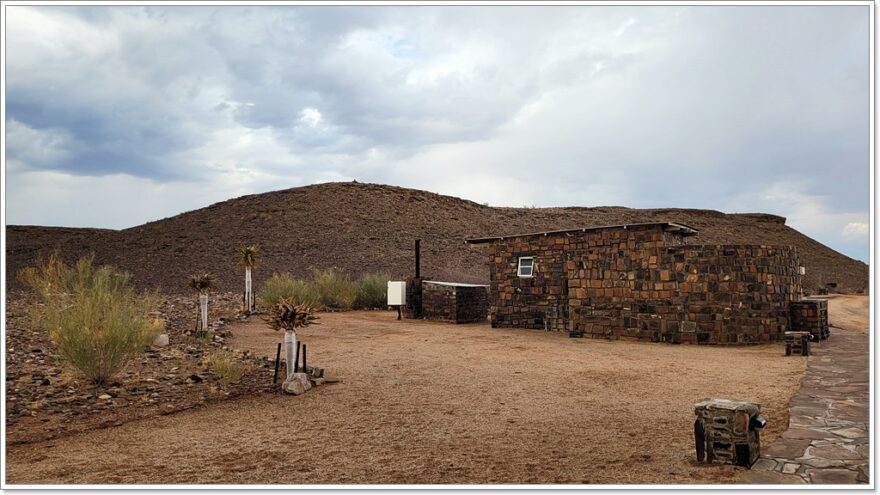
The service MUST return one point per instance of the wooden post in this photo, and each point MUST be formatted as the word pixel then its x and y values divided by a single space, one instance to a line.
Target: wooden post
pixel 305 370
pixel 277 363
pixel 296 359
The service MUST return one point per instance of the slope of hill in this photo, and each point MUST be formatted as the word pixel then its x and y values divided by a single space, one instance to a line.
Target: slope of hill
pixel 366 227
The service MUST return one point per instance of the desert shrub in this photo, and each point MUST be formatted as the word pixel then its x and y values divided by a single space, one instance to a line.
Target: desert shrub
pixel 225 366
pixel 372 290
pixel 92 315
pixel 334 289
pixel 285 286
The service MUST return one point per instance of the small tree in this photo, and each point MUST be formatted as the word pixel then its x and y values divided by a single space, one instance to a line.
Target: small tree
pixel 202 283
pixel 247 257
pixel 288 316
pixel 92 315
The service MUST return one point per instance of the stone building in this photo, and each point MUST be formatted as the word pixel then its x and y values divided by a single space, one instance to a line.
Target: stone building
pixel 642 281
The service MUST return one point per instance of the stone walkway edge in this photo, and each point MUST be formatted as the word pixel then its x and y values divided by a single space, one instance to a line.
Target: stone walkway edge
pixel 827 441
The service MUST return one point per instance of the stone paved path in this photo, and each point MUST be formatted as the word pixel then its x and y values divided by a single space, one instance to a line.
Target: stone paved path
pixel 827 437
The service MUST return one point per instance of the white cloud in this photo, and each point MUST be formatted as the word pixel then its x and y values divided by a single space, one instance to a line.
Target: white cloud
pixel 310 117
pixel 855 230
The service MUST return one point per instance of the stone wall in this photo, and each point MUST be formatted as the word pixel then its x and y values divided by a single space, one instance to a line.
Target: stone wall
pixel 472 304
pixel 454 303
pixel 413 307
pixel 695 294
pixel 644 282
pixel 811 315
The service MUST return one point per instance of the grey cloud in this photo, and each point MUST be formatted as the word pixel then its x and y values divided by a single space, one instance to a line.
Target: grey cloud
pixel 650 106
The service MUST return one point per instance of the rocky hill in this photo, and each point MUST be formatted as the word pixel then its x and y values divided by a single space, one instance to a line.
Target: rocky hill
pixel 365 227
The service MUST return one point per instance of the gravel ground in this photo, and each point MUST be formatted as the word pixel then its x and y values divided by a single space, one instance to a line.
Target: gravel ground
pixel 425 402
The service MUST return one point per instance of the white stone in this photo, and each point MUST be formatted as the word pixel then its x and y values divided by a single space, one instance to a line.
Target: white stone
pixel 161 340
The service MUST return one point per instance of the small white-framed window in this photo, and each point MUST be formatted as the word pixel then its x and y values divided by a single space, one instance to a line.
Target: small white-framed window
pixel 526 266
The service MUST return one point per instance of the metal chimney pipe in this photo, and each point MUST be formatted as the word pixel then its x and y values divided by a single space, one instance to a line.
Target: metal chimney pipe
pixel 418 258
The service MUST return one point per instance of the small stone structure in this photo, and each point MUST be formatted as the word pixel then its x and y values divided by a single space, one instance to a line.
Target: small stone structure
pixel 728 431
pixel 797 343
pixel 446 301
pixel 455 302
pixel 811 315
pixel 642 281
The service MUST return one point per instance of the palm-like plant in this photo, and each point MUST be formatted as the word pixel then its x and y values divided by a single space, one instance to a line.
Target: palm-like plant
pixel 247 257
pixel 288 316
pixel 202 283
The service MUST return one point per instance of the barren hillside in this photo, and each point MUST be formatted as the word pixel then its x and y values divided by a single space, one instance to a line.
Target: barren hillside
pixel 366 227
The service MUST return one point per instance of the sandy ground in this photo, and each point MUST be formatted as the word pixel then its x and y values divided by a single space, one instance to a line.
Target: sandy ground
pixel 849 312
pixel 424 402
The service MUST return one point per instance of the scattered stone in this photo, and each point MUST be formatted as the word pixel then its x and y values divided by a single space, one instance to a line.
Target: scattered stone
pixel 298 384
pixel 790 468
pixel 161 341
pixel 105 396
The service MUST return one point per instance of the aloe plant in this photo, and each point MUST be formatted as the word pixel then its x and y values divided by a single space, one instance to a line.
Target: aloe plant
pixel 288 316
pixel 202 283
pixel 247 257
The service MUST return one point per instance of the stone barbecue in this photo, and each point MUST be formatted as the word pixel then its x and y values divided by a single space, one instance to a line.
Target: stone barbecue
pixel 642 281
pixel 728 431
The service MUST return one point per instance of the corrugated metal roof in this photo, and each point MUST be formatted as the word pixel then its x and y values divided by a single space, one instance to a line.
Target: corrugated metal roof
pixel 670 226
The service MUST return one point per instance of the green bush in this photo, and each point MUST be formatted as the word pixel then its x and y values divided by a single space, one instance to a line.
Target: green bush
pixel 92 315
pixel 372 290
pixel 335 290
pixel 284 286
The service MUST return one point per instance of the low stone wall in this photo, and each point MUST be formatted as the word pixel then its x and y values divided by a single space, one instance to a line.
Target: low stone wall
pixel 472 304
pixel 454 303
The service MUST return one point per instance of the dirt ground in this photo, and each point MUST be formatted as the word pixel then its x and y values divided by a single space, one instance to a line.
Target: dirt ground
pixel 425 402
pixel 850 312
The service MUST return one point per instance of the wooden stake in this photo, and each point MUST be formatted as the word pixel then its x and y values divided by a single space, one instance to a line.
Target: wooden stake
pixel 305 369
pixel 296 359
pixel 277 363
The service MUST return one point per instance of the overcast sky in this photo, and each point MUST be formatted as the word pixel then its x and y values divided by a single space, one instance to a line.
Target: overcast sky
pixel 120 115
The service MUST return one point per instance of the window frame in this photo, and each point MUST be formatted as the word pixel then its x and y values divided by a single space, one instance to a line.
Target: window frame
pixel 519 267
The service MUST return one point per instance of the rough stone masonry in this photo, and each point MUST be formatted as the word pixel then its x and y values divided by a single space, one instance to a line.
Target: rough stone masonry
pixel 643 281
